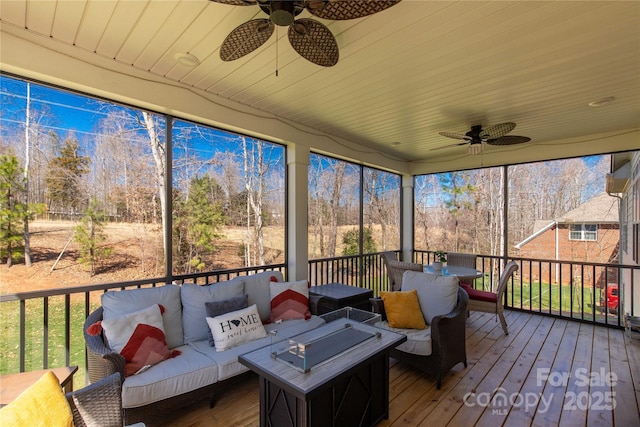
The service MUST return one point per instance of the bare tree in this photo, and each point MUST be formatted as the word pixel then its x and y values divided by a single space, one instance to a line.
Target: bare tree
pixel 382 204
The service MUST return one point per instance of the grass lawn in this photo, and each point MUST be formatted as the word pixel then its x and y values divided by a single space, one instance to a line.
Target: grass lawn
pixel 35 335
pixel 557 299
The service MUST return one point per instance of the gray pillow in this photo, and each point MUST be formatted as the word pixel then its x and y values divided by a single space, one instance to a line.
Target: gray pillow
pixel 217 308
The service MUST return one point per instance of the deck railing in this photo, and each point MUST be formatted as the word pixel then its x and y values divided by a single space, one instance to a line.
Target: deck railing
pixel 42 329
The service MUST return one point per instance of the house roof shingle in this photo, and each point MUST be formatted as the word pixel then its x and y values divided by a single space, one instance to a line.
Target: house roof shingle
pixel 601 209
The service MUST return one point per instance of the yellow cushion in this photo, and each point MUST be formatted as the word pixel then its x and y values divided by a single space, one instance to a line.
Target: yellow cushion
pixel 403 309
pixel 42 404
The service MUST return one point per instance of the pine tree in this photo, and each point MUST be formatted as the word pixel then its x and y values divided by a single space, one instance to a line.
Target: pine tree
pixel 89 234
pixel 63 176
pixel 197 222
pixel 12 210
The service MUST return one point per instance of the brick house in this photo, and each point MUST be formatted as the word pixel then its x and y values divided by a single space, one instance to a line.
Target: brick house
pixel 588 233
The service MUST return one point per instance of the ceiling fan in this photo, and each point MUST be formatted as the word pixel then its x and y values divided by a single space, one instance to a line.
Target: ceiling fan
pixel 492 135
pixel 311 39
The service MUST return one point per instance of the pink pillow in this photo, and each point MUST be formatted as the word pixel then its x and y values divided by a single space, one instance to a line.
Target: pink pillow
pixel 289 300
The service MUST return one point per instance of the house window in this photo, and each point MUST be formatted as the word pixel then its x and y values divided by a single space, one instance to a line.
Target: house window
pixel 583 232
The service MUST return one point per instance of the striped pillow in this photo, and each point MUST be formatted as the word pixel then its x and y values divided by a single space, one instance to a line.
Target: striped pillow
pixel 289 300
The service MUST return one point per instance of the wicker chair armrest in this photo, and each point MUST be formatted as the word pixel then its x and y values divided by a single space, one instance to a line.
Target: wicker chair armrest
pixel 448 330
pixel 102 360
pixel 377 306
pixel 314 303
pixel 98 404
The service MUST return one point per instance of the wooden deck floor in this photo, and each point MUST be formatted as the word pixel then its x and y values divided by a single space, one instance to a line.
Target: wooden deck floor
pixel 515 380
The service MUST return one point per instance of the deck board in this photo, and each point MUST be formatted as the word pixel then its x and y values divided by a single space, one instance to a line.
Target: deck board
pixel 509 364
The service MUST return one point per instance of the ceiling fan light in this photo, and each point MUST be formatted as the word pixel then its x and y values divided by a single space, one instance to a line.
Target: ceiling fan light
pixel 474 149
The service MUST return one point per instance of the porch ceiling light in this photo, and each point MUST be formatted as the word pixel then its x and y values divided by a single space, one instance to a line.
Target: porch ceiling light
pixel 186 59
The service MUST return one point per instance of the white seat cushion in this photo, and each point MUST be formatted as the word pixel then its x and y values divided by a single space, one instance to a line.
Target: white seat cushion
pixel 418 340
pixel 189 371
pixel 227 361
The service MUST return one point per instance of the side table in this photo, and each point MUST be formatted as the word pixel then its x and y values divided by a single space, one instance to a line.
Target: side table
pixel 11 385
pixel 337 296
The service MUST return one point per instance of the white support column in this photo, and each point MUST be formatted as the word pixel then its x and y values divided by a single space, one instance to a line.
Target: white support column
pixel 407 217
pixel 297 230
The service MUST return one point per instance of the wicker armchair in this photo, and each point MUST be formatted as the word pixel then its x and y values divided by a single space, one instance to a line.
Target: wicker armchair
pixel 491 302
pixel 395 269
pixel 461 260
pixel 99 404
pixel 448 340
pixel 456 259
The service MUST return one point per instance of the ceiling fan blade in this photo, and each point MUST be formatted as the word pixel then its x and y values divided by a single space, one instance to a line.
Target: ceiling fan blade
pixel 246 38
pixel 237 2
pixel 347 9
pixel 508 140
pixel 314 42
pixel 496 131
pixel 455 135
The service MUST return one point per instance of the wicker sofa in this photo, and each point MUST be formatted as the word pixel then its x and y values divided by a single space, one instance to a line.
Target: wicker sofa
pixel 199 372
pixel 441 346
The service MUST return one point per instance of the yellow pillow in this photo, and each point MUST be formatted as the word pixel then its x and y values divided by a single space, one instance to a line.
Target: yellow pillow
pixel 403 309
pixel 42 404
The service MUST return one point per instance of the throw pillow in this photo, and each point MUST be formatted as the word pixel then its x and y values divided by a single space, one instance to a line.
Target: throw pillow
pixel 217 308
pixel 403 309
pixel 438 295
pixel 193 298
pixel 139 337
pixel 119 303
pixel 42 404
pixel 289 300
pixel 235 328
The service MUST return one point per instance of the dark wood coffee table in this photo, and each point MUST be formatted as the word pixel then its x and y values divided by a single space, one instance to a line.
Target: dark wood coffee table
pixel 352 389
pixel 337 296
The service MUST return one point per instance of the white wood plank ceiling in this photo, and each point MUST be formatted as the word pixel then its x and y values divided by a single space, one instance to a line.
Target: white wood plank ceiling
pixel 404 74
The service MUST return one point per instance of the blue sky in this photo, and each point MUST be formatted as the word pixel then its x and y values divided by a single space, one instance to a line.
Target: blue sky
pixel 67 112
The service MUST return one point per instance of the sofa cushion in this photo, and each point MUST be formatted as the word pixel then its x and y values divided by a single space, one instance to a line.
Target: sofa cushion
pixel 258 289
pixel 216 308
pixel 193 311
pixel 172 377
pixel 418 340
pixel 235 328
pixel 139 337
pixel 289 300
pixel 118 303
pixel 227 361
pixel 438 295
pixel 403 309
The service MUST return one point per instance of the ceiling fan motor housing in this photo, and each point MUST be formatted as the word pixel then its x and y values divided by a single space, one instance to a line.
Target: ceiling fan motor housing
pixel 282 13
